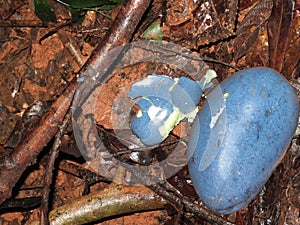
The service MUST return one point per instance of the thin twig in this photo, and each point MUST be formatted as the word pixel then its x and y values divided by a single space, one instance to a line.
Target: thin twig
pixel 48 179
pixel 176 198
pixel 81 14
pixel 78 170
pixel 197 58
pixel 189 206
pixel 26 152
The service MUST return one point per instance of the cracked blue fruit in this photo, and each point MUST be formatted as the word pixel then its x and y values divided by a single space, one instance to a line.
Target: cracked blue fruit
pixel 239 137
pixel 149 123
pixel 163 103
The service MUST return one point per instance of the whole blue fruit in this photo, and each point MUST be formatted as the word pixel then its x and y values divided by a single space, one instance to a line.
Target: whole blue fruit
pixel 239 137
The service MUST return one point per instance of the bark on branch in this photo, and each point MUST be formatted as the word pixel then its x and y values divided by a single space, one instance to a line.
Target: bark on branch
pixel 115 200
pixel 25 154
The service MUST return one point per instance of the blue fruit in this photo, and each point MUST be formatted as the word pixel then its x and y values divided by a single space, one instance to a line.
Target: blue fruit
pixel 239 136
pixel 163 104
pixel 149 123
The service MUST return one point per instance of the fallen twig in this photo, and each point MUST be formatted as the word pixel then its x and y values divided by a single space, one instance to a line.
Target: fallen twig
pixel 175 198
pixel 115 200
pixel 188 205
pixel 48 179
pixel 78 170
pixel 26 152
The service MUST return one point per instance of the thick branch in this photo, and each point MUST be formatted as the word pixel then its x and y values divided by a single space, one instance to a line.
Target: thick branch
pixel 25 154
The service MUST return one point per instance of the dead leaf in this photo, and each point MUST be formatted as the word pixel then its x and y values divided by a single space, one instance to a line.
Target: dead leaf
pixel 279 29
pixel 247 3
pixel 291 67
pixel 250 27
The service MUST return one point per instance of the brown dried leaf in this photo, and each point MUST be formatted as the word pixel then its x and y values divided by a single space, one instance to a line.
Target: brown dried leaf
pixel 279 29
pixel 258 54
pixel 250 27
pixel 291 67
pixel 247 3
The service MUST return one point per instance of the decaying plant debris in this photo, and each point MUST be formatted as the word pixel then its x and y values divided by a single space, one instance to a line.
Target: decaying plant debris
pixel 39 64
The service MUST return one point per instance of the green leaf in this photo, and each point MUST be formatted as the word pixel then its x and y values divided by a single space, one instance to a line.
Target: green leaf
pixel 153 32
pixel 44 11
pixel 83 4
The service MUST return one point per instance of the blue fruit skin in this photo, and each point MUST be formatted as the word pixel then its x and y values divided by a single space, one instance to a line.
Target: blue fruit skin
pixel 247 141
pixel 145 128
pixel 186 95
pixel 166 94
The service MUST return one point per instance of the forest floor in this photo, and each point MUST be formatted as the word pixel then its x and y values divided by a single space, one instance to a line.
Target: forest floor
pixel 39 59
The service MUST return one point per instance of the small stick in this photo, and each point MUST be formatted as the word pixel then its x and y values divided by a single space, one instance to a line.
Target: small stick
pixel 26 152
pixel 189 206
pixel 78 170
pixel 48 179
pixel 175 198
